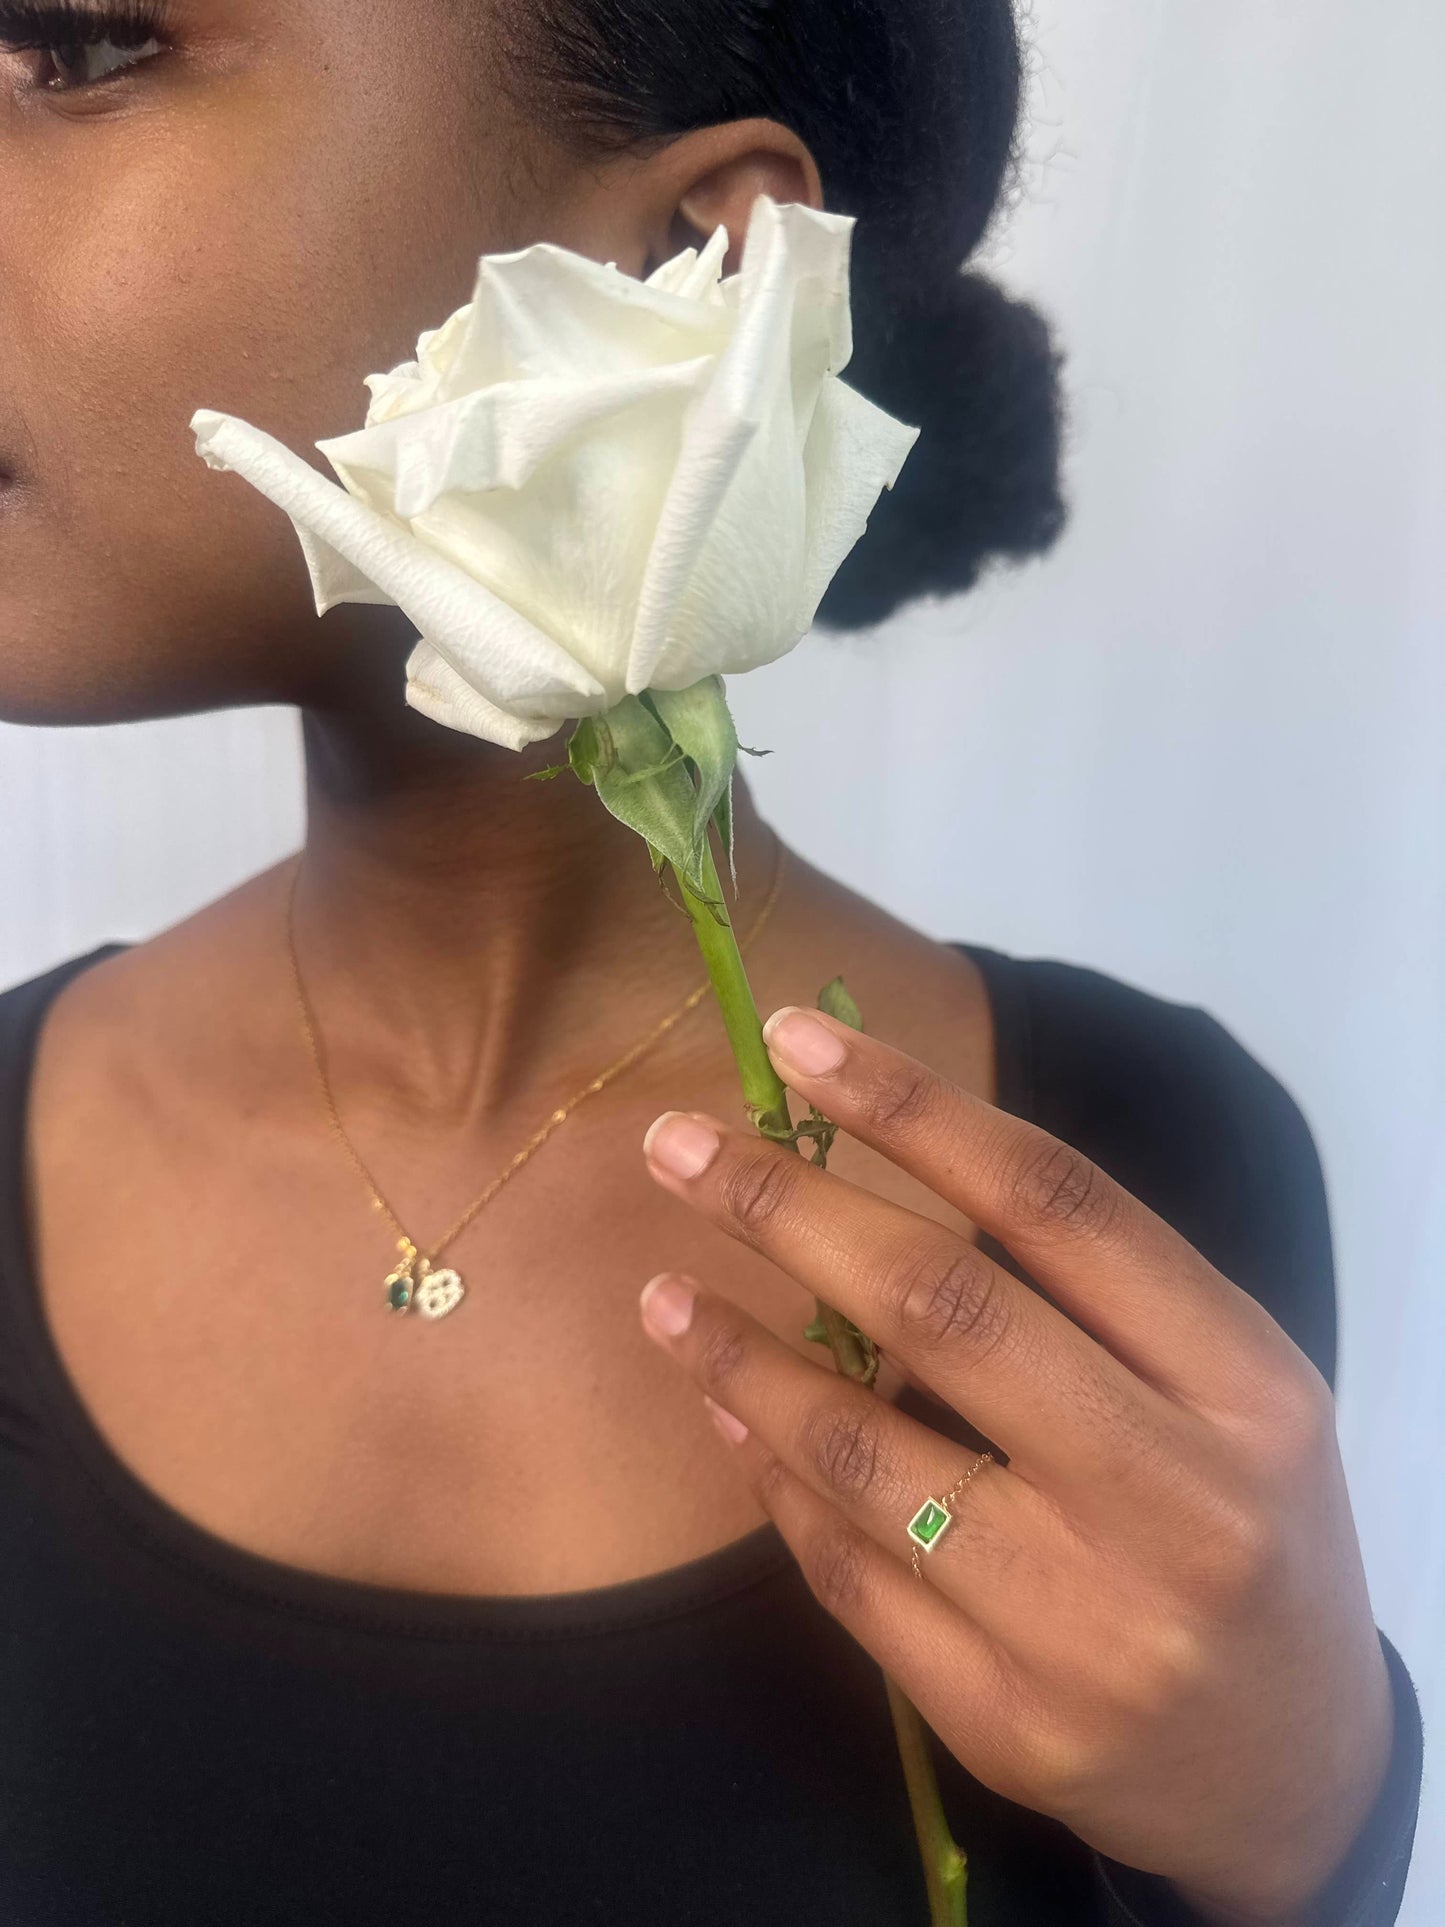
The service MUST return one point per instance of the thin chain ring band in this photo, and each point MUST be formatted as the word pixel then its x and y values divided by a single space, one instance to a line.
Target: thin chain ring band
pixel 933 1518
pixel 413 1280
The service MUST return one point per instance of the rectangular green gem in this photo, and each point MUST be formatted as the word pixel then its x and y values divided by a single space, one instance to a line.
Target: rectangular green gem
pixel 928 1522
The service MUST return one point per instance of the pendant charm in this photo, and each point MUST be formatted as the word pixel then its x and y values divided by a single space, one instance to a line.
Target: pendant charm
pixel 439 1292
pixel 434 1293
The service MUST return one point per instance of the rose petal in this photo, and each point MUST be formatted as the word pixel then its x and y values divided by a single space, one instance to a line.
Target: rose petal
pixel 518 663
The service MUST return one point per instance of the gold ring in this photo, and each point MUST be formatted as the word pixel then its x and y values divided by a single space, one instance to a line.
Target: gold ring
pixel 933 1518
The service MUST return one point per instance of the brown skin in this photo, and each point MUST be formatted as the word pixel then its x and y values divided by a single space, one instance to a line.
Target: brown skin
pixel 1154 1614
pixel 274 206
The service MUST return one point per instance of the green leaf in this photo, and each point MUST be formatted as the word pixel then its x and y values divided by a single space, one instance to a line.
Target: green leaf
pixel 822 1130
pixel 544 775
pixel 818 1332
pixel 870 1354
pixel 835 1001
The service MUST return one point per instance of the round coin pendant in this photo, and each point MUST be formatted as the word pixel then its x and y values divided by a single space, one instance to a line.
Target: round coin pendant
pixel 439 1292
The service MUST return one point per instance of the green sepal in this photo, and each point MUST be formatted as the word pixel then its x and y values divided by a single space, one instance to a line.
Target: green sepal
pixel 700 723
pixel 641 776
pixel 722 817
pixel 587 747
pixel 662 763
pixel 545 775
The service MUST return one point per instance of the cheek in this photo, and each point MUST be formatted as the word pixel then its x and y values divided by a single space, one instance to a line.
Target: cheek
pixel 258 258
pixel 123 558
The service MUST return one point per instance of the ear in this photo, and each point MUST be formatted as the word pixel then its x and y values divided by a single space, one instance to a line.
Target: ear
pixel 713 176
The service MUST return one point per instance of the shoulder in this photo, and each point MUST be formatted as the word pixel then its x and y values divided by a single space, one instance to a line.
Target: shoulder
pixel 141 998
pixel 1167 1099
pixel 51 1042
pixel 24 1004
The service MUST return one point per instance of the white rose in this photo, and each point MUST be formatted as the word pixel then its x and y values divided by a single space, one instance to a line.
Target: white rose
pixel 588 485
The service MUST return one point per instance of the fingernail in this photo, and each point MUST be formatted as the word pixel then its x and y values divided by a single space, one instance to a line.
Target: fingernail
pixel 800 1042
pixel 667 1303
pixel 681 1144
pixel 732 1429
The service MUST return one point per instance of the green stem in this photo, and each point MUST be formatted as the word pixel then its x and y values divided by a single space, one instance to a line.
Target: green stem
pixel 766 1097
pixel 945 1865
pixel 764 1091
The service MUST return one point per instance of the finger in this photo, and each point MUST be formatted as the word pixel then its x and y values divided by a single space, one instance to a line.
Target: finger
pixel 1062 1408
pixel 1154 1300
pixel 966 1689
pixel 1008 1558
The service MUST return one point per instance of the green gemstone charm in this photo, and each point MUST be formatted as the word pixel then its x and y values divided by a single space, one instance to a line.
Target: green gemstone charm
pixel 928 1523
pixel 400 1283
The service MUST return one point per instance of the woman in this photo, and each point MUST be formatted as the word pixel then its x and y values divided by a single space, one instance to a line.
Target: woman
pixel 314 1613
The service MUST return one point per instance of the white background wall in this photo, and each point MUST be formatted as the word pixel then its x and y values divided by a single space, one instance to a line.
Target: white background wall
pixel 1203 747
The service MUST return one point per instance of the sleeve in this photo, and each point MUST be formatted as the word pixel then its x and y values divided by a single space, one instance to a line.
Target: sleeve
pixel 1241 1178
pixel 1369 1886
pixel 1276 1231
pixel 1169 1102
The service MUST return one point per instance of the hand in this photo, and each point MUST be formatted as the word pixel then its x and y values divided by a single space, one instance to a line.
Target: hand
pixel 1152 1622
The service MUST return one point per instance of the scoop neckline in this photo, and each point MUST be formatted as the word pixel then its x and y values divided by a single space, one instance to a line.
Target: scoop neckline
pixel 255 1579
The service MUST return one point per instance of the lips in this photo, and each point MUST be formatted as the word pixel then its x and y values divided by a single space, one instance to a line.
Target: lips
pixel 13 481
pixel 12 439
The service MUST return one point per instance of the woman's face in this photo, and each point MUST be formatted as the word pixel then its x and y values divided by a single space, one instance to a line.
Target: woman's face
pixel 269 200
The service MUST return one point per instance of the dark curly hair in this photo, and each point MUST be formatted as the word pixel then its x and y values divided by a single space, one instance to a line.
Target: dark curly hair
pixel 910 109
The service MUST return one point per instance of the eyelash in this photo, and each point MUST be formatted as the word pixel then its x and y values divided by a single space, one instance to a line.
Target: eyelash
pixel 47 26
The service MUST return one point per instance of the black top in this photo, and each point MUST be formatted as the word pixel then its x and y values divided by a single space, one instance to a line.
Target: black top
pixel 196 1736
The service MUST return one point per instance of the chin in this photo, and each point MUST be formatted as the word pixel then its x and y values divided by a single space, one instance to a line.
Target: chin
pixel 59 702
pixel 108 616
pixel 56 674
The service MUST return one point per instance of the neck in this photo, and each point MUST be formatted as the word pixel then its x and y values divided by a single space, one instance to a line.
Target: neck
pixel 464 936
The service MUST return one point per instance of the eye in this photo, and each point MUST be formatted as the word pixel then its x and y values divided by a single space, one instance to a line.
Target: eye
pixel 80 43
pixel 82 65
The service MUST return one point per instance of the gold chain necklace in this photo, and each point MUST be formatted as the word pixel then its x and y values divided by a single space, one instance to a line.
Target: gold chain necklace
pixel 413 1280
